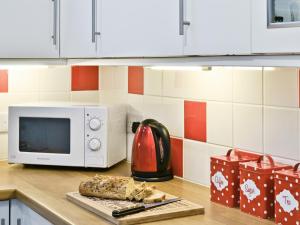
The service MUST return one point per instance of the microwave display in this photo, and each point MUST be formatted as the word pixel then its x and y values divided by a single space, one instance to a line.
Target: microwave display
pixel 44 135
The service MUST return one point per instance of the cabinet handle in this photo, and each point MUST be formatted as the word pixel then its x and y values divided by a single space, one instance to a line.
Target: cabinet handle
pixel 94 33
pixel 19 222
pixel 2 221
pixel 55 9
pixel 182 22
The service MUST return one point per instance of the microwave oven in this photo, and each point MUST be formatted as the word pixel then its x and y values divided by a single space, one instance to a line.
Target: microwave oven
pixel 67 135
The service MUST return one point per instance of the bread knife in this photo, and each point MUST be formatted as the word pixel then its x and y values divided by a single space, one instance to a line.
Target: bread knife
pixel 141 207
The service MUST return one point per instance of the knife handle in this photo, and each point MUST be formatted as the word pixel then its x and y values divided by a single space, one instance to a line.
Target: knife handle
pixel 128 211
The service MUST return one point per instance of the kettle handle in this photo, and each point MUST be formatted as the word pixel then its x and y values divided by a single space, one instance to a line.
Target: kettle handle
pixel 162 131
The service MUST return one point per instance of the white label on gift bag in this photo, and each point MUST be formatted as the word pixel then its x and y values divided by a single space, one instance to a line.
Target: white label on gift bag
pixel 250 190
pixel 219 181
pixel 287 201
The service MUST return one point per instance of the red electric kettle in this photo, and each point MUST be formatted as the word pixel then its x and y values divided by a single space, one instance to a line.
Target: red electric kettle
pixel 151 152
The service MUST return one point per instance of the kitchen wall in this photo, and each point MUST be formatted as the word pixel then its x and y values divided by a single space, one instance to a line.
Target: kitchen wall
pixel 206 111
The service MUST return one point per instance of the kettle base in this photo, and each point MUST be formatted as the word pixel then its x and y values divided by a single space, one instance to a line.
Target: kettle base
pixel 153 179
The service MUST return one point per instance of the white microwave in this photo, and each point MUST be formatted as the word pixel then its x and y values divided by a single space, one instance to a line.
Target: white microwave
pixel 66 135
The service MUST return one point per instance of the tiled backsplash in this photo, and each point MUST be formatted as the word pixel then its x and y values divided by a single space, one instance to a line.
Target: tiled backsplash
pixel 206 112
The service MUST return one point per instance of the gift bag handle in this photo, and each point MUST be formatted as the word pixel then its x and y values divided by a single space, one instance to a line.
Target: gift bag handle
pixel 296 167
pixel 261 158
pixel 235 152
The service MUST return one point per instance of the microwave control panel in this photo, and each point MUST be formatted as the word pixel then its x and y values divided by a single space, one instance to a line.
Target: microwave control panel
pixel 95 137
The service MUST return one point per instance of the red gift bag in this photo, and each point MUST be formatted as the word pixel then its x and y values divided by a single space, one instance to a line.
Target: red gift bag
pixel 287 192
pixel 224 182
pixel 257 186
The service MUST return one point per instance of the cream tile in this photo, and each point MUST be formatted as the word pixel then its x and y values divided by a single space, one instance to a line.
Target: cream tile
pixel 3 146
pixel 247 86
pixel 184 84
pixel 281 87
pixel 152 82
pixel 113 78
pixel 196 160
pixel 173 116
pixel 55 79
pixel 135 103
pixel 153 108
pixel 219 123
pixel 217 84
pixel 281 132
pixel 248 127
pixel 112 96
pixel 85 96
pixel 130 138
pixel 24 80
pixel 54 96
pixel 22 98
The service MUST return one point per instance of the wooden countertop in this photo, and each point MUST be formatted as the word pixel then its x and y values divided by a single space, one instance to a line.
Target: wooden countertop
pixel 44 188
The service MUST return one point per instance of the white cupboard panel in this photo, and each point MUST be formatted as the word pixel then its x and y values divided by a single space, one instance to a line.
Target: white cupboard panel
pixel 218 27
pixel 4 212
pixel 271 40
pixel 77 26
pixel 21 214
pixel 29 29
pixel 139 28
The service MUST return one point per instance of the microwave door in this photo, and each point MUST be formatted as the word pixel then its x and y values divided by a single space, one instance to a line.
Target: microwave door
pixel 47 136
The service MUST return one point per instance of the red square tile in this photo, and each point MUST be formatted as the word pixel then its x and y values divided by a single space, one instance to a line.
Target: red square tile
pixel 195 120
pixel 177 156
pixel 85 78
pixel 136 80
pixel 3 81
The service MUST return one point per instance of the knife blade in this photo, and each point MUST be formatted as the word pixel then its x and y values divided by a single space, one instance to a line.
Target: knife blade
pixel 141 207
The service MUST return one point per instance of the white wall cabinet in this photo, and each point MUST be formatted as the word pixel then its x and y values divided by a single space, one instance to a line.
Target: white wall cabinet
pixel 4 212
pixel 217 27
pixel 78 24
pixel 20 214
pixel 140 28
pixel 29 29
pixel 282 37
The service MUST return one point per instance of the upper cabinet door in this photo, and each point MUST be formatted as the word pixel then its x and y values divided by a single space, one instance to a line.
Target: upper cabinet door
pixel 217 27
pixel 275 26
pixel 140 28
pixel 78 28
pixel 29 29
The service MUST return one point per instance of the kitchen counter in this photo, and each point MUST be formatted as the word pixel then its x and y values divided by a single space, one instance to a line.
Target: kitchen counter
pixel 43 189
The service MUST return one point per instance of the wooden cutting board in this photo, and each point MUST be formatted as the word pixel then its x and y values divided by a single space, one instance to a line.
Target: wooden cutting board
pixel 104 208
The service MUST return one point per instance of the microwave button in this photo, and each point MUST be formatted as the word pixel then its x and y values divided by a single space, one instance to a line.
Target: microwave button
pixel 94 144
pixel 95 124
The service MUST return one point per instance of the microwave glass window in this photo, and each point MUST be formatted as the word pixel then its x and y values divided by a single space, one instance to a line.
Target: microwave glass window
pixel 44 135
pixel 284 11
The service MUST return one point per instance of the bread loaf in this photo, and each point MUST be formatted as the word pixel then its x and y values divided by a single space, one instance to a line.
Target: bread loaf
pixel 121 188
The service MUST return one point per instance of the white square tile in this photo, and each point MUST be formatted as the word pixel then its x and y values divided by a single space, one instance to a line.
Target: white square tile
pixel 281 87
pixel 54 96
pixel 247 86
pixel 85 96
pixel 219 123
pixel 248 127
pixel 217 84
pixel 135 103
pixel 152 82
pixel 196 160
pixel 21 80
pixel 184 84
pixel 22 98
pixel 113 78
pixel 3 146
pixel 130 138
pixel 281 132
pixel 55 79
pixel 153 108
pixel 173 116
